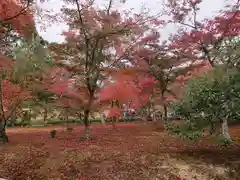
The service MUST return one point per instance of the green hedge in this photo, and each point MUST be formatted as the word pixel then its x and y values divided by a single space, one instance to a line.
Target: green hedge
pixel 76 121
pixel 20 122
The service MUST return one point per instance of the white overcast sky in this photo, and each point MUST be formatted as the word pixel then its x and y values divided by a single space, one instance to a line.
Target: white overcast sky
pixel 53 33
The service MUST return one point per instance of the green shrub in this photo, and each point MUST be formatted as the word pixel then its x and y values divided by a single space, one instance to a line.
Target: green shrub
pixel 53 133
pixel 208 100
pixel 225 142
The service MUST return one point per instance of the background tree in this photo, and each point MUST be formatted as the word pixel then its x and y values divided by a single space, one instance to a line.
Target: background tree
pixel 204 39
pixel 18 27
pixel 99 38
pixel 212 98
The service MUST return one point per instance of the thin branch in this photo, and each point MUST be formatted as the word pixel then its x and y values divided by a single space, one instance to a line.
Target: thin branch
pixel 109 6
pixel 19 13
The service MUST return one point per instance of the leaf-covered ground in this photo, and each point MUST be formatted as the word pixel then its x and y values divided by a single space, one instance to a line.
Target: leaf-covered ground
pixel 132 152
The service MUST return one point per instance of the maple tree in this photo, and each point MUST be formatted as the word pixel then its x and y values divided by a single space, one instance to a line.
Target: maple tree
pixel 205 38
pixel 213 40
pixel 130 90
pixel 17 26
pixel 9 20
pixel 99 40
pixel 11 97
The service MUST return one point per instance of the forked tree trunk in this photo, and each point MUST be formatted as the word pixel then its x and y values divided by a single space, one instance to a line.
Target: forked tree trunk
pixel 225 130
pixel 3 135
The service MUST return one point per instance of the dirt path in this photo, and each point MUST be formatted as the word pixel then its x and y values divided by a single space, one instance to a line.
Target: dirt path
pixel 197 170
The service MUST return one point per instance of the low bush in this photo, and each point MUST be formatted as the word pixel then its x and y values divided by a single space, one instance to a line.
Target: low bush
pixel 53 133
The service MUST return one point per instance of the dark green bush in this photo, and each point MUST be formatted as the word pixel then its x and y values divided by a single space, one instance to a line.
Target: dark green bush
pixel 208 100
pixel 53 133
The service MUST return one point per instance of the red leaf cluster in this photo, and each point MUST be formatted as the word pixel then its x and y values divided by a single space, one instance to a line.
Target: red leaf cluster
pixel 59 82
pixel 129 91
pixel 19 15
pixel 12 95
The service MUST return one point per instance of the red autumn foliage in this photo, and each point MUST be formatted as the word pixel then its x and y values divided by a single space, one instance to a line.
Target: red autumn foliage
pixel 12 97
pixel 201 37
pixel 114 113
pixel 19 15
pixel 68 94
pixel 127 90
pixel 12 94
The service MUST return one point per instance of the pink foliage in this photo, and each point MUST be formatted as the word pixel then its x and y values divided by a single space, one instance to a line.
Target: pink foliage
pixel 12 95
pixel 132 92
pixel 21 22
pixel 114 113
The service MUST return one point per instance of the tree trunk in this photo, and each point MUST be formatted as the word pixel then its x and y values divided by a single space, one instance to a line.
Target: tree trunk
pixel 165 117
pixel 102 116
pixel 66 117
pixel 3 121
pixel 225 130
pixel 86 124
pixel 3 135
pixel 165 112
pixel 113 122
pixel 149 118
pixel 14 116
pixel 212 128
pixel 80 116
pixel 45 114
pixel 154 116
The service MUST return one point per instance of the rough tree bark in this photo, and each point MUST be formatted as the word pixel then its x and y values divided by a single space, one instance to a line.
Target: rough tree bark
pixel 3 122
pixel 225 130
pixel 3 135
pixel 165 115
